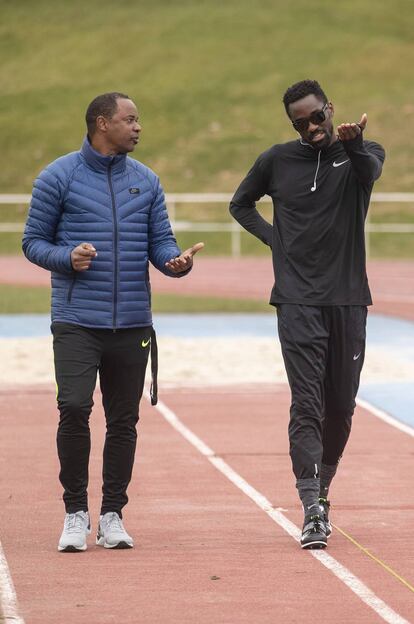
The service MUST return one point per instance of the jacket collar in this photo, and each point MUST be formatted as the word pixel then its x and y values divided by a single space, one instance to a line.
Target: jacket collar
pixel 99 162
pixel 333 150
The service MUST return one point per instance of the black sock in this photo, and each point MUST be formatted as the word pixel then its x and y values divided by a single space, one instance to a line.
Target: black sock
pixel 326 475
pixel 309 495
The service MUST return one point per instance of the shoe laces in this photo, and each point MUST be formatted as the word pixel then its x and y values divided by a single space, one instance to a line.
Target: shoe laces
pixel 114 521
pixel 317 523
pixel 75 522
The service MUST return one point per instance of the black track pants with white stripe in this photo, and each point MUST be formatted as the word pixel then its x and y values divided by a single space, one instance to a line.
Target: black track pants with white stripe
pixel 323 349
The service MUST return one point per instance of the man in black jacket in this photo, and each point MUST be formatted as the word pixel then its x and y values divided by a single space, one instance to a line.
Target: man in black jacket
pixel 320 185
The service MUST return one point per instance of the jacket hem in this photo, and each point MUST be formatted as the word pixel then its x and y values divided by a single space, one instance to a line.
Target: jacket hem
pixel 276 302
pixel 99 326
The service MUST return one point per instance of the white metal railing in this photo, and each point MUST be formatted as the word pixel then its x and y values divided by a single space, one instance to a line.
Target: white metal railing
pixel 232 227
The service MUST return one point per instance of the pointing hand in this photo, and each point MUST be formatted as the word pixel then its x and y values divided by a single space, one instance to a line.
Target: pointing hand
pixel 183 262
pixel 348 131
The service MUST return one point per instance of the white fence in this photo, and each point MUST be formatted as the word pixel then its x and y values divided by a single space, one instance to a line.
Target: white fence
pixel 232 227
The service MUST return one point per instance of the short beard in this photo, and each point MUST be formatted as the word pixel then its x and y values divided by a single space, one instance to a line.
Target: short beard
pixel 321 145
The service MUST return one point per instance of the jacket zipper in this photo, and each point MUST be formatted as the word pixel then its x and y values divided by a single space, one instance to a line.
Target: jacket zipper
pixel 115 295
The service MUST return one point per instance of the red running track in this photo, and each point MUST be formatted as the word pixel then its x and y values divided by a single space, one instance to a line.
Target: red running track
pixel 205 553
pixel 392 282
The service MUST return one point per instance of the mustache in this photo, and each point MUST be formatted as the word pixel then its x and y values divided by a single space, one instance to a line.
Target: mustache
pixel 313 135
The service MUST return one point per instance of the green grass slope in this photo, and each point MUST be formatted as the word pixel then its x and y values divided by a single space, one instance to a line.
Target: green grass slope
pixel 208 77
pixel 36 300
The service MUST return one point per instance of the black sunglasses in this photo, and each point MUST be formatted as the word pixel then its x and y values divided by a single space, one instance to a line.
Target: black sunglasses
pixel 317 117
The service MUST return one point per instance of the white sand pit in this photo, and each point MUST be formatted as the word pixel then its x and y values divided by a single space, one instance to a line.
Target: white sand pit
pixel 196 362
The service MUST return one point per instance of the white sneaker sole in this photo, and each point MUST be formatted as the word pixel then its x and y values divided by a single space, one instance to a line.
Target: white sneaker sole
pixel 100 541
pixel 317 544
pixel 71 548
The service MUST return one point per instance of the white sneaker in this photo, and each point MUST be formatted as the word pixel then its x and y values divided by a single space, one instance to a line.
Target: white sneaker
pixel 111 532
pixel 76 528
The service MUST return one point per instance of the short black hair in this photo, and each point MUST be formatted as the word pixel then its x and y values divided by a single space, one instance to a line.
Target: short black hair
pixel 105 105
pixel 300 90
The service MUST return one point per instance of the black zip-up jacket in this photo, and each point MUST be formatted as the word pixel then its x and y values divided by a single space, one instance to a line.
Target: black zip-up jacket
pixel 320 201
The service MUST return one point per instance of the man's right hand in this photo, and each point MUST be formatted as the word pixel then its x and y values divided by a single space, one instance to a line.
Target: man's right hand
pixel 82 256
pixel 349 131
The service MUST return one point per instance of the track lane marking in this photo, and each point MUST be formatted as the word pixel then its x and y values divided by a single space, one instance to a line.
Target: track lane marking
pixel 8 600
pixel 390 420
pixel 366 595
pixel 374 558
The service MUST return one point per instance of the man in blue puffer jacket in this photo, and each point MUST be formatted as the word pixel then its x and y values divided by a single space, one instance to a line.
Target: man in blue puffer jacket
pixel 96 219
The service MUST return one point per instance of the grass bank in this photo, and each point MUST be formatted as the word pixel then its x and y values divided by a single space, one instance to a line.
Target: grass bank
pixel 208 77
pixel 36 300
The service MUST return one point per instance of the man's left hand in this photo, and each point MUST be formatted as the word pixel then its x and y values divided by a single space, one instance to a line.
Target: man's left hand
pixel 185 261
pixel 348 131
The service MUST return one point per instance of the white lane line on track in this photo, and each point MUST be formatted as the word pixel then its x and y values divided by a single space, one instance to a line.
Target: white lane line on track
pixel 8 600
pixel 390 420
pixel 363 592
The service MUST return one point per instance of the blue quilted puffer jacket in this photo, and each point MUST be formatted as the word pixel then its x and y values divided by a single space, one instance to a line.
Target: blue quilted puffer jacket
pixel 117 204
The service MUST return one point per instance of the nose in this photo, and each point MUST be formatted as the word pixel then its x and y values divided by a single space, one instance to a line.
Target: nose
pixel 137 127
pixel 312 127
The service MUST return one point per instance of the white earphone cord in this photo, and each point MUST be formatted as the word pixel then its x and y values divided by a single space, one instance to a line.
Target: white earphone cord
pixel 313 188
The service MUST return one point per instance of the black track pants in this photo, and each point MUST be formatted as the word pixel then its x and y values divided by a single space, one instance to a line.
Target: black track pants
pixel 121 359
pixel 323 349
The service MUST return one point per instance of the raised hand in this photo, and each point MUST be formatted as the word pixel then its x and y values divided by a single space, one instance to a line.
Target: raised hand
pixel 82 256
pixel 348 131
pixel 185 260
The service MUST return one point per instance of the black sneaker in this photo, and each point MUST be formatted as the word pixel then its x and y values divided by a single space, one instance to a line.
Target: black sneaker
pixel 314 532
pixel 324 507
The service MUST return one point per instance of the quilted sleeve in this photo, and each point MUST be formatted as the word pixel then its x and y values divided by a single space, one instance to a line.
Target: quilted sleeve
pixel 44 214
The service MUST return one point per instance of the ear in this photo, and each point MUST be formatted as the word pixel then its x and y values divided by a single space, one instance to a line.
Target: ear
pixel 101 123
pixel 331 108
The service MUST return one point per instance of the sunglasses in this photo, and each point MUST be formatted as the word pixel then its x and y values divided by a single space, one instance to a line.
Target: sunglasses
pixel 317 117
